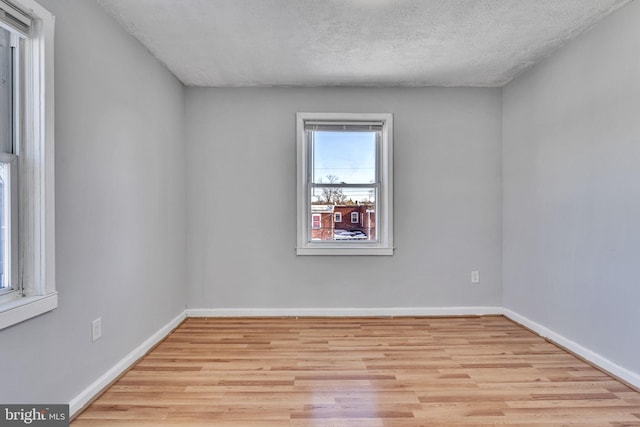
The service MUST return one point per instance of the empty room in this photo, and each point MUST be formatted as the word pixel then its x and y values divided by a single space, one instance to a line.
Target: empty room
pixel 320 213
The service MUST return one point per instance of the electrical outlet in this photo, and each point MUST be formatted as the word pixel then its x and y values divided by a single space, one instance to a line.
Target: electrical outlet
pixel 96 329
pixel 475 276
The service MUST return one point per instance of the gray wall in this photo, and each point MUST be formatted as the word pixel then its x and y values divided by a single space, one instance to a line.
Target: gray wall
pixel 120 213
pixel 242 201
pixel 572 190
pixel 571 201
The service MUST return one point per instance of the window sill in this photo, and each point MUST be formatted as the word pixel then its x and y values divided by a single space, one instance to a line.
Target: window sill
pixel 21 309
pixel 345 251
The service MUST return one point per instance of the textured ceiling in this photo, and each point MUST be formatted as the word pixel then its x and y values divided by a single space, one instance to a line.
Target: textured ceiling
pixel 354 42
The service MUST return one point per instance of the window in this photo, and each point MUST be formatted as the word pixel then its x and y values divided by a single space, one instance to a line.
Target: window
pixel 316 221
pixel 8 127
pixel 27 278
pixel 345 162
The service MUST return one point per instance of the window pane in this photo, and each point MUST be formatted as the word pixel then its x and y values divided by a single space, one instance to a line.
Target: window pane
pixel 5 218
pixel 350 214
pixel 6 137
pixel 344 157
pixel 6 91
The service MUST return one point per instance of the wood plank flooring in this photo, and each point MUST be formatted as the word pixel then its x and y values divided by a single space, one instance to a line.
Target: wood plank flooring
pixel 361 372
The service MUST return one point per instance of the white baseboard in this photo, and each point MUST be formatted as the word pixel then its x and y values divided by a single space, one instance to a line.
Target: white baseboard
pixel 600 361
pixel 98 385
pixel 343 312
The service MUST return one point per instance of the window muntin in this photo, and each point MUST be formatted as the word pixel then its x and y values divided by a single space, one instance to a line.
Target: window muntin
pixel 344 166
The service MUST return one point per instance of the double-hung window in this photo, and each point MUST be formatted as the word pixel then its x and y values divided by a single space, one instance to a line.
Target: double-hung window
pixel 345 164
pixel 27 277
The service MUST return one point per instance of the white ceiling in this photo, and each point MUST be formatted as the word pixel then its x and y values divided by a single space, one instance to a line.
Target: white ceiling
pixel 354 42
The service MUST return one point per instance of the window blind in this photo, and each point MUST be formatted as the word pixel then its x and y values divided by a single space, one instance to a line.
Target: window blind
pixel 340 126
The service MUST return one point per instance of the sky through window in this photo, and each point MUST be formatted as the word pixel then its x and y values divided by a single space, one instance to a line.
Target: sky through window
pixel 349 156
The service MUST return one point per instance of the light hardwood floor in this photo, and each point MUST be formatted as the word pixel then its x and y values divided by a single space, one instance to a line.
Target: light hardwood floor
pixel 361 372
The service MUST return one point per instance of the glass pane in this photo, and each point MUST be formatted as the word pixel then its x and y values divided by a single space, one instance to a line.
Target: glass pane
pixel 344 157
pixel 4 226
pixel 343 214
pixel 6 91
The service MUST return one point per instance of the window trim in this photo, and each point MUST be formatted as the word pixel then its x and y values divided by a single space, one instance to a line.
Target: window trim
pixel 36 174
pixel 384 219
pixel 355 215
pixel 337 217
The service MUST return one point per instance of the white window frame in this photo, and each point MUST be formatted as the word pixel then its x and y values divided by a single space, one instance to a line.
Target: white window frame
pixel 384 200
pixel 37 292
pixel 337 217
pixel 355 215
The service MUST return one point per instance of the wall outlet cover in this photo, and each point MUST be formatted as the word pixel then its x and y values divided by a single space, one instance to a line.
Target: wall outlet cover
pixel 475 276
pixel 96 329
